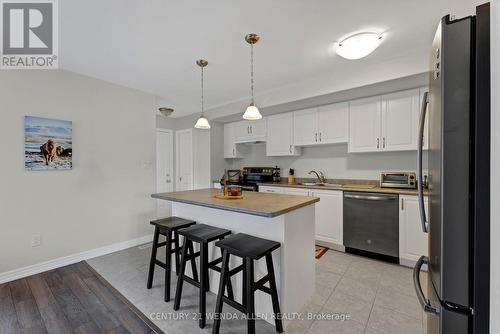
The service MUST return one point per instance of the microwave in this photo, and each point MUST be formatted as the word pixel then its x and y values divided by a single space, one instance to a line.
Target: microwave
pixel 398 180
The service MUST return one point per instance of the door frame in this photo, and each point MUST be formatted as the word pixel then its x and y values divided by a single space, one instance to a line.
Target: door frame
pixel 177 160
pixel 171 157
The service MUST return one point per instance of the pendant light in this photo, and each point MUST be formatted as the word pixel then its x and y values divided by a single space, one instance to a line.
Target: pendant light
pixel 202 122
pixel 252 113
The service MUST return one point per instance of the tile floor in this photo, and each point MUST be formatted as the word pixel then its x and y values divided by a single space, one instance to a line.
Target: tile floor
pixel 378 297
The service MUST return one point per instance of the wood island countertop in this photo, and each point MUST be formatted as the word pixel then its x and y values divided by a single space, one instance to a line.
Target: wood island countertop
pixel 253 203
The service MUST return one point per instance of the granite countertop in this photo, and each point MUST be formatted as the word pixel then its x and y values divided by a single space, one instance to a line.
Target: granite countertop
pixel 347 185
pixel 252 203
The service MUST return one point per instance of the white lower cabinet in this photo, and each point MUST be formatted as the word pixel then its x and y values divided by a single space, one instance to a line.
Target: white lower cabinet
pixel 413 243
pixel 329 216
pixel 329 212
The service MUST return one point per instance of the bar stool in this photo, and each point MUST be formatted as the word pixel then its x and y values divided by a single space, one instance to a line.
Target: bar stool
pixel 167 227
pixel 202 234
pixel 249 248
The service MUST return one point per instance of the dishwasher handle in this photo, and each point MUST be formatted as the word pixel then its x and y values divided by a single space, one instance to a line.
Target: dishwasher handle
pixel 370 197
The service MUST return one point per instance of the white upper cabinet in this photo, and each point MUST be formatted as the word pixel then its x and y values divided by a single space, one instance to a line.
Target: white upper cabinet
pixel 250 131
pixel 230 148
pixel 305 127
pixel 385 123
pixel 400 112
pixel 364 125
pixel 323 125
pixel 333 123
pixel 280 135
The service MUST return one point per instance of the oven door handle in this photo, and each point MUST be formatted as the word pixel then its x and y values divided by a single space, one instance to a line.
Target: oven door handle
pixel 420 144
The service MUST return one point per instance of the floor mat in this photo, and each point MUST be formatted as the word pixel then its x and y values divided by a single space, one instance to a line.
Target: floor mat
pixel 320 251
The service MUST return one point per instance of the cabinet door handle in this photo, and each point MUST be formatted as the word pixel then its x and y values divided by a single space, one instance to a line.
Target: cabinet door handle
pixel 320 136
pixel 383 142
pixel 290 148
pixel 378 142
pixel 402 204
pixel 316 137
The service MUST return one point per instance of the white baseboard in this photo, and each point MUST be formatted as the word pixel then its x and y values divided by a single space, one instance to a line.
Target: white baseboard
pixel 70 259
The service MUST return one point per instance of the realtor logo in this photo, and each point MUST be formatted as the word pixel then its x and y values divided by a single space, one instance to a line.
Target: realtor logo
pixel 29 37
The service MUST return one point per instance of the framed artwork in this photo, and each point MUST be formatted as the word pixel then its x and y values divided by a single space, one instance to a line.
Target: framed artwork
pixel 47 144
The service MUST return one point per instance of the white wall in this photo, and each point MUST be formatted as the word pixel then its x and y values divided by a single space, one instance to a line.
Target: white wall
pixel 495 167
pixel 105 198
pixel 333 160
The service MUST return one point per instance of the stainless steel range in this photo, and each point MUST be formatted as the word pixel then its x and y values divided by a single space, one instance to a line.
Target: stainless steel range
pixel 250 177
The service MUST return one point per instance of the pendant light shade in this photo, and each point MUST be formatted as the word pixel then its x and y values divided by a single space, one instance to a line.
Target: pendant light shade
pixel 202 122
pixel 252 113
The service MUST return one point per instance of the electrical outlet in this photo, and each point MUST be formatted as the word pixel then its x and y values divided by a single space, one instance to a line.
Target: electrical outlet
pixel 36 240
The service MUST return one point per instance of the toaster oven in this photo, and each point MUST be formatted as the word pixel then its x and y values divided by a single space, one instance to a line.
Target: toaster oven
pixel 398 180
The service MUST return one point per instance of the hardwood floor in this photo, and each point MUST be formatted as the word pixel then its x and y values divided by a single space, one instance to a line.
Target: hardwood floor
pixel 71 299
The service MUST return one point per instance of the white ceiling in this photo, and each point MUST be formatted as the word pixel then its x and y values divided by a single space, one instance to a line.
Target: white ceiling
pixel 153 45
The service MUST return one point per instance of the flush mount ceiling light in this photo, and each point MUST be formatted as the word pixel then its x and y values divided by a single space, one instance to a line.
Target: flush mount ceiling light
pixel 202 122
pixel 252 113
pixel 165 111
pixel 359 45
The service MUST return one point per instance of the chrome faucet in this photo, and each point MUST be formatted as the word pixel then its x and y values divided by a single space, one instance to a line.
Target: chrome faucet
pixel 320 176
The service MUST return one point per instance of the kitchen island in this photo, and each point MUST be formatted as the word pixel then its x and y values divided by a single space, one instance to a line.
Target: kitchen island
pixel 284 218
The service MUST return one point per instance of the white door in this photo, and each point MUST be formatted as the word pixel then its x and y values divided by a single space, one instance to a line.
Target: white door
pixel 364 125
pixel 333 123
pixel 164 169
pixel 305 130
pixel 184 159
pixel 413 243
pixel 230 148
pixel 241 131
pixel 400 113
pixel 329 216
pixel 280 135
pixel 258 129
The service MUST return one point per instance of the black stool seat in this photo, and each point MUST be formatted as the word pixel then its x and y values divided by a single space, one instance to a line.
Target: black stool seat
pixel 204 233
pixel 249 248
pixel 167 227
pixel 244 245
pixel 172 223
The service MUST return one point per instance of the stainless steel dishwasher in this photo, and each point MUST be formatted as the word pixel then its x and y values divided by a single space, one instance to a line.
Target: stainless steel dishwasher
pixel 371 224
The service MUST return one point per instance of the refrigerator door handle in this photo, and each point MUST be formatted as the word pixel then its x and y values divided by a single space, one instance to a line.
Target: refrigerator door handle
pixel 424 302
pixel 421 207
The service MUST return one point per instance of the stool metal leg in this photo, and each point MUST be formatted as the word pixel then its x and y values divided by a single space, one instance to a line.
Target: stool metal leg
pixel 274 293
pixel 154 249
pixel 177 252
pixel 168 266
pixel 250 306
pixel 222 283
pixel 178 290
pixel 203 283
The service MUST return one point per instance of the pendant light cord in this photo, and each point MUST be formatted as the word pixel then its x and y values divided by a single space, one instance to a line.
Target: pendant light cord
pixel 202 104
pixel 251 72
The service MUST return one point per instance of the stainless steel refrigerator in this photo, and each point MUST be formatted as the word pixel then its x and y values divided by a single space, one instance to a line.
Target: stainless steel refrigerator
pixel 458 103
